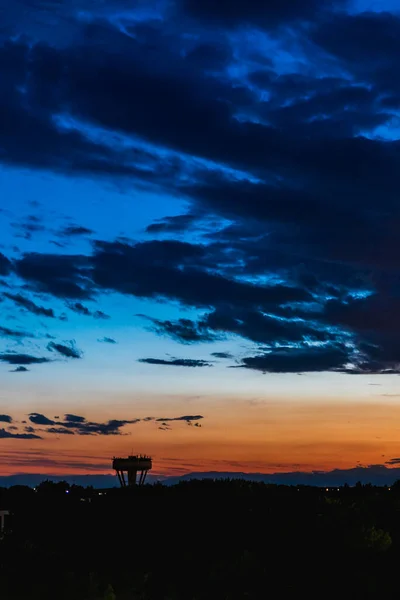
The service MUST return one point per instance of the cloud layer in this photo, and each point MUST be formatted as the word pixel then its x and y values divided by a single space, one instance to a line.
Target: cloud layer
pixel 41 426
pixel 276 125
pixel 72 424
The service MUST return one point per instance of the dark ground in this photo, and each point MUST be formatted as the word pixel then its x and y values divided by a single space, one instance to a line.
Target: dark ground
pixel 200 540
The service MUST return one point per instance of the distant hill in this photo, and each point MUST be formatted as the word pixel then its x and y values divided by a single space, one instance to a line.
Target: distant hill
pixel 375 474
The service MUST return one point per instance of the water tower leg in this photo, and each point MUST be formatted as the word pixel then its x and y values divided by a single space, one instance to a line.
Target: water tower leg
pixel 132 477
pixel 144 477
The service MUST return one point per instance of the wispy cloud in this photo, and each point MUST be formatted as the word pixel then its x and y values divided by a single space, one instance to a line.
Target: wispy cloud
pixel 22 359
pixel 77 424
pixel 75 231
pixel 68 351
pixel 4 434
pixel 30 306
pixel 176 362
pixel 80 309
pixel 14 333
pixel 107 340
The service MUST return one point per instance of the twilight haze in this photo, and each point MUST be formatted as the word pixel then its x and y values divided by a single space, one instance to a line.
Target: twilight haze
pixel 199 235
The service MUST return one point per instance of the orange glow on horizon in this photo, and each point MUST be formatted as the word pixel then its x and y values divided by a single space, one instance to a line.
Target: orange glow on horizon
pixel 268 437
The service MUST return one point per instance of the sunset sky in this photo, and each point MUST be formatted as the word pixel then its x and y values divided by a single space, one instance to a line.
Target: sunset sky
pixel 199 217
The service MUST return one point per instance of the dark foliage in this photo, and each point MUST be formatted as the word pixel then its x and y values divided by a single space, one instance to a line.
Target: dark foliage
pixel 226 539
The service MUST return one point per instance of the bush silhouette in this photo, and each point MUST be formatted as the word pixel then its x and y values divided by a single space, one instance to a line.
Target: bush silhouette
pixel 109 594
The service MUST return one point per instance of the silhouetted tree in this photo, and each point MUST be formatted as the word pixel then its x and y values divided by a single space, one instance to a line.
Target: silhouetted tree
pixel 377 539
pixel 249 530
pixel 50 487
pixel 109 593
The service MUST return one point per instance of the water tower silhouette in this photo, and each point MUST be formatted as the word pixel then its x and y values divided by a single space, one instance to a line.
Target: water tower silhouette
pixel 132 465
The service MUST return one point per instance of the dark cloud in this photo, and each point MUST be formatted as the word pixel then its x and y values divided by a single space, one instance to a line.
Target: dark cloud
pixel 39 419
pixel 43 65
pixel 213 56
pixel 263 14
pixel 312 221
pixel 79 425
pixel 74 418
pixel 192 102
pixel 18 436
pixel 72 424
pixel 69 351
pixel 222 355
pixel 20 370
pixel 107 340
pixel 192 420
pixel 55 77
pixel 5 265
pixel 5 419
pixel 253 325
pixel 60 431
pixel 349 37
pixel 299 360
pixel 175 224
pixel 13 333
pixel 30 306
pixel 264 328
pixel 112 427
pixel 187 418
pixel 176 362
pixel 75 230
pixel 63 276
pixel 185 331
pixel 22 359
pixel 179 124
pixel 80 309
pixel 30 226
pixel 173 270
pixel 99 314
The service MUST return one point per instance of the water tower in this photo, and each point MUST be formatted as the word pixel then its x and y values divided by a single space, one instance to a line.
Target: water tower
pixel 132 466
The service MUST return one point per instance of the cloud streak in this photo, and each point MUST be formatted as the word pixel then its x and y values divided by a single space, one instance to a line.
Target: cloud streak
pixel 14 333
pixel 68 351
pixel 176 362
pixel 30 306
pixel 107 340
pixel 8 435
pixel 78 425
pixel 22 359
pixel 5 419
pixel 80 309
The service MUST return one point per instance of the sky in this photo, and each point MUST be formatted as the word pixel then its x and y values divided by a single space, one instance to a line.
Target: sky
pixel 199 219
